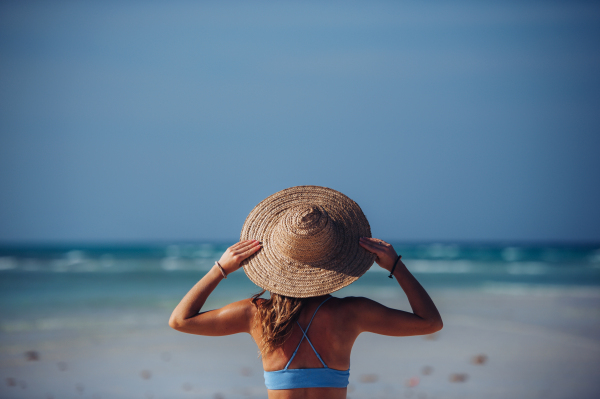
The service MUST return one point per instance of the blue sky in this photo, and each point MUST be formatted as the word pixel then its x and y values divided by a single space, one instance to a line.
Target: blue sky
pixel 150 121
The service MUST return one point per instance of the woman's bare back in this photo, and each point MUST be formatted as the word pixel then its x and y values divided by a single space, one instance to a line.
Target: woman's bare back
pixel 331 339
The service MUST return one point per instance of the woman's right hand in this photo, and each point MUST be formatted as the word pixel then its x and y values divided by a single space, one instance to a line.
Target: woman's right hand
pixel 234 255
pixel 233 318
pixel 374 317
pixel 386 254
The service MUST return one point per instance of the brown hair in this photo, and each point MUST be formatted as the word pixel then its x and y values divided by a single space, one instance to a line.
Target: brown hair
pixel 276 317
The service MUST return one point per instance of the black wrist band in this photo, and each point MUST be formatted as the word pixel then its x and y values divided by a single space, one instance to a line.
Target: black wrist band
pixel 394 268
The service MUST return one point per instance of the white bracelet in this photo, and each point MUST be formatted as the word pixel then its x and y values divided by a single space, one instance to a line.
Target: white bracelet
pixel 221 269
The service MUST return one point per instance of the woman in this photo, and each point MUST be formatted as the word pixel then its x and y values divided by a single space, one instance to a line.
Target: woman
pixel 302 244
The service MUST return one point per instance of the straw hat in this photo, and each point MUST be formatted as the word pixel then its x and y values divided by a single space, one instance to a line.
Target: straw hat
pixel 310 240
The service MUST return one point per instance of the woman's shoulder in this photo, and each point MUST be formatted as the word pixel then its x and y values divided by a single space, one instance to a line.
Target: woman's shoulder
pixel 244 306
pixel 358 308
pixel 346 314
pixel 353 304
pixel 352 300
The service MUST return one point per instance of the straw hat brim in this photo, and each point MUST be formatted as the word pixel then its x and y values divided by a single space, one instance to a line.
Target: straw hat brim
pixel 272 270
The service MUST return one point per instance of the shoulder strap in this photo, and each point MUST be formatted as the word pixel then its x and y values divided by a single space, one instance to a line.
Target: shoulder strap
pixel 314 314
pixel 305 336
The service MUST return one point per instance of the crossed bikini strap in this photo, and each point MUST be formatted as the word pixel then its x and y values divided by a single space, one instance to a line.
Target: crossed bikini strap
pixel 305 336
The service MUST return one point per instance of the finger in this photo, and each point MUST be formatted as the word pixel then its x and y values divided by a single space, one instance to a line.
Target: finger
pixel 380 242
pixel 371 241
pixel 249 252
pixel 377 249
pixel 239 244
pixel 374 240
pixel 247 245
pixel 371 246
pixel 367 248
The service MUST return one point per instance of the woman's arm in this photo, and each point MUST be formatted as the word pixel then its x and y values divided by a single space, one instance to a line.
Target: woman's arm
pixel 374 317
pixel 231 319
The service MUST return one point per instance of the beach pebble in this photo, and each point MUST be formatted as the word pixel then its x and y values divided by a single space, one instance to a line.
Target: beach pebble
pixel 11 382
pixel 479 359
pixel 368 378
pixel 413 382
pixel 427 370
pixel 146 374
pixel 458 377
pixel 32 356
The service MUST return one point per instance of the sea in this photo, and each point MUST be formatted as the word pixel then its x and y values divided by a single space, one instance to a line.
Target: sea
pixel 62 278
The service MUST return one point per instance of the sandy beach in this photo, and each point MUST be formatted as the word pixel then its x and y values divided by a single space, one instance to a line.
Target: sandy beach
pixel 495 344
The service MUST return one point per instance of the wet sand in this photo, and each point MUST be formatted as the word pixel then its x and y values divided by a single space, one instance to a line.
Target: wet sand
pixel 494 344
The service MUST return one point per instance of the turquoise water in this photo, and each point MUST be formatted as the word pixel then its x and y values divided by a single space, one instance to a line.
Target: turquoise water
pixel 66 278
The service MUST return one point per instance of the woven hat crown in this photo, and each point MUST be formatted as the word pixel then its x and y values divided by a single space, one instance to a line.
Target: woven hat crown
pixel 307 234
pixel 310 238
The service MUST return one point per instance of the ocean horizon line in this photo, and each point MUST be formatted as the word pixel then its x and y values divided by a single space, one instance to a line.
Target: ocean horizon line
pixel 43 244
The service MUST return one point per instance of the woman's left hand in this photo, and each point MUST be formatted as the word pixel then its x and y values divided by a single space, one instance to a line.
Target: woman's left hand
pixel 234 255
pixel 386 254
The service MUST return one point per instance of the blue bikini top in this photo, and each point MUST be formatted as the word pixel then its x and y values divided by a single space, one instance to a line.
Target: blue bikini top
pixel 322 377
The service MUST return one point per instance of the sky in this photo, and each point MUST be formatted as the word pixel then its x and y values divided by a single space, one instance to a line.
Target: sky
pixel 169 121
